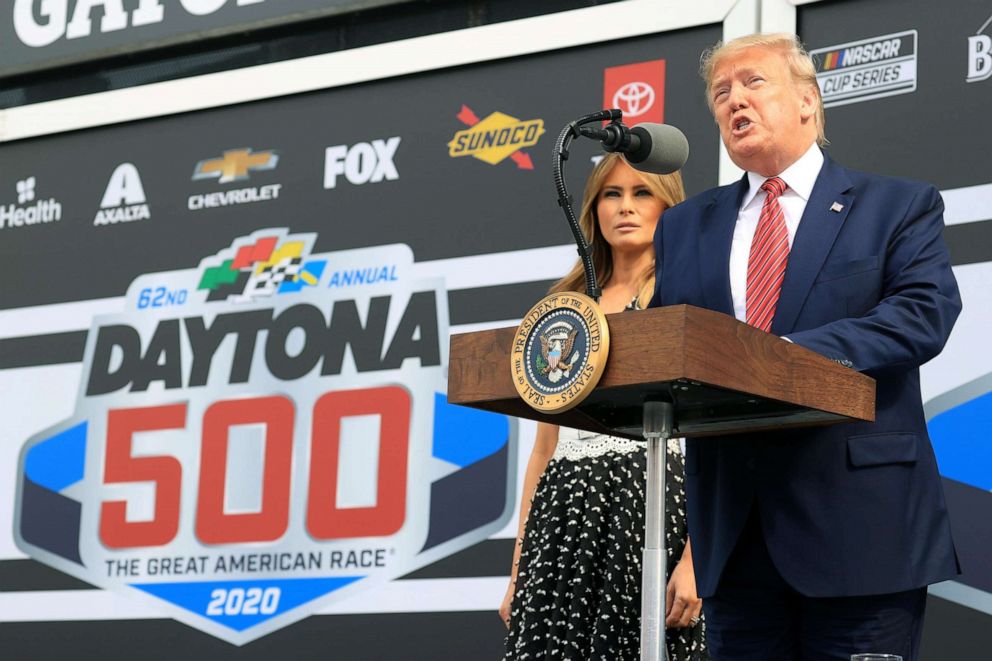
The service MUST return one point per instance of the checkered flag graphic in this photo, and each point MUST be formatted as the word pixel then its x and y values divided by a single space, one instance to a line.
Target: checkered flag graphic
pixel 267 281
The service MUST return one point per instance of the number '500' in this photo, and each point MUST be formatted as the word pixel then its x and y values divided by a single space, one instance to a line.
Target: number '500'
pixel 324 519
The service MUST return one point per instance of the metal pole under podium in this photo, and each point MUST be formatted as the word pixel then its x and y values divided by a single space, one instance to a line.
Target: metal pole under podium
pixel 658 424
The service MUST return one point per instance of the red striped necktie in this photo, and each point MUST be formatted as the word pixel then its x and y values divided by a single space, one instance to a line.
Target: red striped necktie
pixel 766 262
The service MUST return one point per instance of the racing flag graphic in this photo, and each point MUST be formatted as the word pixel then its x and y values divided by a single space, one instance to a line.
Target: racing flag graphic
pixel 262 269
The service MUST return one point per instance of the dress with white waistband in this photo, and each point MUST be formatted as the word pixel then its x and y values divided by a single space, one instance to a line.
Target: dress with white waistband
pixel 578 592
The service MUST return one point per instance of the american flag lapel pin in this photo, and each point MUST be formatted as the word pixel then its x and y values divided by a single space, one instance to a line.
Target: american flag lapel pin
pixel 836 207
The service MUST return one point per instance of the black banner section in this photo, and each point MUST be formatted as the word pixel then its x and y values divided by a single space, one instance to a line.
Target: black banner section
pixel 35 350
pixel 453 164
pixel 371 637
pixel 462 167
pixel 969 243
pixel 40 34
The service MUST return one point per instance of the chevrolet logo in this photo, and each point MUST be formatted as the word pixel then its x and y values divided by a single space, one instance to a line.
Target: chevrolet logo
pixel 235 165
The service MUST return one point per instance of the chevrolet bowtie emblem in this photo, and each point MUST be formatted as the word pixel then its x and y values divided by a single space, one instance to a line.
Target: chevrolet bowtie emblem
pixel 836 207
pixel 235 165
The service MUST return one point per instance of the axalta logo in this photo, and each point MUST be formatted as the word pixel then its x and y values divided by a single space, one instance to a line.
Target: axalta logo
pixel 867 69
pixel 29 210
pixel 124 199
pixel 637 89
pixel 40 23
pixel 495 138
pixel 365 162
pixel 980 55
pixel 250 443
pixel 235 165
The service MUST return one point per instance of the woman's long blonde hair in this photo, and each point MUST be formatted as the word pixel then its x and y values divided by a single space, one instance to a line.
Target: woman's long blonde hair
pixel 667 187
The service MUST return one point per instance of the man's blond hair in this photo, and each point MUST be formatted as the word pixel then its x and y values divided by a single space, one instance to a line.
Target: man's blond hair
pixel 800 64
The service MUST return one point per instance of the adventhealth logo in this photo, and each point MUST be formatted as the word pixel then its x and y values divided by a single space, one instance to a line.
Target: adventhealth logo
pixel 25 190
pixel 42 211
pixel 124 200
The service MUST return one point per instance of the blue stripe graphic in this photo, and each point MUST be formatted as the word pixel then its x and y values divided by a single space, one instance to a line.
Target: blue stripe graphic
pixel 58 461
pixel 961 441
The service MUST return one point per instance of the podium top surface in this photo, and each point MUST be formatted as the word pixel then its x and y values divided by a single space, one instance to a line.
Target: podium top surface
pixel 722 376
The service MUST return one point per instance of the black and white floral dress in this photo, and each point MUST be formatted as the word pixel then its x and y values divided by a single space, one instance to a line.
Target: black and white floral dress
pixel 578 591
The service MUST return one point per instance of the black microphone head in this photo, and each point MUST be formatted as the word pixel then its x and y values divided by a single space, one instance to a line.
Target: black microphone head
pixel 663 149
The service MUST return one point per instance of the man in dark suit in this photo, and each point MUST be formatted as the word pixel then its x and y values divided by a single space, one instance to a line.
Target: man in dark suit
pixel 819 543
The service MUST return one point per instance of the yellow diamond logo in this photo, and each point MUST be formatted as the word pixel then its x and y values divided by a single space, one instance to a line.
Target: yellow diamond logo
pixel 496 137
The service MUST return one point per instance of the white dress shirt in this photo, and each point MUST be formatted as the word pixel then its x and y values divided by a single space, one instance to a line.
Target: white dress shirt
pixel 799 177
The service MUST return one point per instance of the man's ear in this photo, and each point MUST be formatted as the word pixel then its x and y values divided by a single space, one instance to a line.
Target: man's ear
pixel 809 101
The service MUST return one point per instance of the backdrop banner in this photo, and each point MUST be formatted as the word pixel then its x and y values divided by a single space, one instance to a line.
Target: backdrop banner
pixel 231 410
pixel 223 334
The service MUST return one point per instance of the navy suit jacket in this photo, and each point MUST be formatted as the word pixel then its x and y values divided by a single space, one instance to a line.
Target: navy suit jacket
pixel 849 509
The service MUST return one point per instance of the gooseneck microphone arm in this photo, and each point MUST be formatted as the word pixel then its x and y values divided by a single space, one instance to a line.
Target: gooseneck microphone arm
pixel 570 132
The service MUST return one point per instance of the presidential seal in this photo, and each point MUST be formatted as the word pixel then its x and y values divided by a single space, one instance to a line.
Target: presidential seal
pixel 559 352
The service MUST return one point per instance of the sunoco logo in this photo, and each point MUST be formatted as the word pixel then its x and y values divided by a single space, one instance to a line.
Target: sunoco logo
pixel 867 69
pixel 240 456
pixel 495 138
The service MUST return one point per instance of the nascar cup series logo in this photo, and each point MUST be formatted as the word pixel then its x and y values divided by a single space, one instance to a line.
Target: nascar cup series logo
pixel 559 352
pixel 250 443
pixel 867 69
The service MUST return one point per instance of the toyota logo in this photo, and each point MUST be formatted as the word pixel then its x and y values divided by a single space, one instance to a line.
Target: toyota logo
pixel 634 99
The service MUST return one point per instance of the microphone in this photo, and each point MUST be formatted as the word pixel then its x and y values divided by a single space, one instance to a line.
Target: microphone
pixel 656 148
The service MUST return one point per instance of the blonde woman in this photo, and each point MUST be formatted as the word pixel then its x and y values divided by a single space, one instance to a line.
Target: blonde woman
pixel 575 584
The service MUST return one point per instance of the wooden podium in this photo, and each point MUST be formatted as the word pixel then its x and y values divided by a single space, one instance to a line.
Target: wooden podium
pixel 710 373
pixel 721 375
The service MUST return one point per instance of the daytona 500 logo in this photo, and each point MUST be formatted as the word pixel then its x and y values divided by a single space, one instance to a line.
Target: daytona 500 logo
pixel 250 442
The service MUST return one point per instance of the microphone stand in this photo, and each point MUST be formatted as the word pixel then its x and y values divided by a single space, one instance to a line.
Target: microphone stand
pixel 570 132
pixel 657 424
